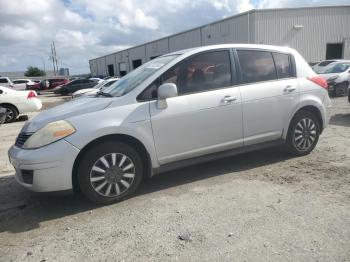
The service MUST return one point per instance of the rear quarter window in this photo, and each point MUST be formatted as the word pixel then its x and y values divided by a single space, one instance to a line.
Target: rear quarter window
pixel 283 65
pixel 256 66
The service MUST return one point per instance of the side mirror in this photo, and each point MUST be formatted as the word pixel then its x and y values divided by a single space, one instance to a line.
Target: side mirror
pixel 165 91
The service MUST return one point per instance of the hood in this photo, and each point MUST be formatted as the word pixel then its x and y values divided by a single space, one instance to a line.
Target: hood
pixel 72 108
pixel 327 76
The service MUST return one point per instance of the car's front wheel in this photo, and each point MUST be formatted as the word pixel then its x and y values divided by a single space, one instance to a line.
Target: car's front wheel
pixel 11 113
pixel 109 172
pixel 303 133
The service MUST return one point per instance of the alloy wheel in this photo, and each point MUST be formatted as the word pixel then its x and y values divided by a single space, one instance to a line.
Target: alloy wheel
pixel 112 174
pixel 305 134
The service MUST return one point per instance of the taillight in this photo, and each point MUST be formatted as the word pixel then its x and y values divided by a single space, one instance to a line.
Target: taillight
pixel 31 95
pixel 319 80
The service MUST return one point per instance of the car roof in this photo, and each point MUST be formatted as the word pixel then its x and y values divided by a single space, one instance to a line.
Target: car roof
pixel 221 46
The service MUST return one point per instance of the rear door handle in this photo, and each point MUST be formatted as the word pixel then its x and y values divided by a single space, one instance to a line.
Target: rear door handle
pixel 289 89
pixel 229 99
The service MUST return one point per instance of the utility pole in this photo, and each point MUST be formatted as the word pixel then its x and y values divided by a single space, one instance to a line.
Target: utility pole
pixel 53 60
pixel 54 50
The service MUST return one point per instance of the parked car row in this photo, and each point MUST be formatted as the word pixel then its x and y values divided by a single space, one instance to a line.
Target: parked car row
pixel 337 74
pixel 99 87
pixel 75 85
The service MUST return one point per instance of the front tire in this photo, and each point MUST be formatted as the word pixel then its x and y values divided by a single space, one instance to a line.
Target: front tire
pixel 303 133
pixel 11 113
pixel 109 172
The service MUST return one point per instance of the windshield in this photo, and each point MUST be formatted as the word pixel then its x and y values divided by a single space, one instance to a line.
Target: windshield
pixel 136 77
pixel 337 68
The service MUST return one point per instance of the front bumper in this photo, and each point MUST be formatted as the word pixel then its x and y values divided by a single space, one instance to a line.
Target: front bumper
pixel 45 169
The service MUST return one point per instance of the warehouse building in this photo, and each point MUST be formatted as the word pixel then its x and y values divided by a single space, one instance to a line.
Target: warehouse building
pixel 318 33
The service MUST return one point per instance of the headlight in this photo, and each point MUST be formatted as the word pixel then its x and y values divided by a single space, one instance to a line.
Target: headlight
pixel 48 134
pixel 332 78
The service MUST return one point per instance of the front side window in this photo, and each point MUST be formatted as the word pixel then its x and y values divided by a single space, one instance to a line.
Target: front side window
pixel 203 72
pixel 256 66
pixel 137 76
pixel 3 80
pixel 283 66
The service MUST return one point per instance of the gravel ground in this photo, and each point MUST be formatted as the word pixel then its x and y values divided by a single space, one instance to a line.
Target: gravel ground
pixel 261 206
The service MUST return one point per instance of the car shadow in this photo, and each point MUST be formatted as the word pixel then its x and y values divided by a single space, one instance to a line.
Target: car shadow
pixel 340 120
pixel 32 209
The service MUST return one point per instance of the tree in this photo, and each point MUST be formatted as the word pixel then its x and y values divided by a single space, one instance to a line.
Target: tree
pixel 34 71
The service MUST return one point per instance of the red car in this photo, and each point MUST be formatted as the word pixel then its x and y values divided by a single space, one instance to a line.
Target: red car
pixel 57 82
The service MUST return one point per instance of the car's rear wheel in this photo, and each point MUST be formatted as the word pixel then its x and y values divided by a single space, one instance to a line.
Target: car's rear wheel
pixel 303 133
pixel 11 113
pixel 109 172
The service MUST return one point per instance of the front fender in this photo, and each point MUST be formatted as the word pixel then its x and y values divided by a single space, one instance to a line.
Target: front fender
pixel 132 120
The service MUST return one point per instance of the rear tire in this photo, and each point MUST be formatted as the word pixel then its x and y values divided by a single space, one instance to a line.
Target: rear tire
pixel 303 133
pixel 11 113
pixel 109 172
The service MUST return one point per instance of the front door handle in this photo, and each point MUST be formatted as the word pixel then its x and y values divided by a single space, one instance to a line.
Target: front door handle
pixel 289 89
pixel 229 99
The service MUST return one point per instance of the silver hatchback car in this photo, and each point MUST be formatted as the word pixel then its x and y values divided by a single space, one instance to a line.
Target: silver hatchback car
pixel 179 109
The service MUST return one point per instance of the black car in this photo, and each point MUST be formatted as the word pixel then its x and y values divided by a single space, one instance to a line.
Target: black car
pixel 76 85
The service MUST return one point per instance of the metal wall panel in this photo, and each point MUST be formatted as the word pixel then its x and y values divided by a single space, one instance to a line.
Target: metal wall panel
pixel 233 30
pixel 93 66
pixel 122 57
pixel 101 66
pixel 185 40
pixel 157 48
pixel 138 52
pixel 110 60
pixel 308 30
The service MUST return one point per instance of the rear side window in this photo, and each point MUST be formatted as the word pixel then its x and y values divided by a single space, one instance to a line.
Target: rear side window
pixel 283 66
pixel 3 80
pixel 256 66
pixel 200 73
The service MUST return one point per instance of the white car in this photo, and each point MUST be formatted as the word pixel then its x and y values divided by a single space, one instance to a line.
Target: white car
pixel 95 89
pixel 18 102
pixel 21 84
pixel 178 109
pixel 99 80
pixel 6 82
pixel 338 77
pixel 321 66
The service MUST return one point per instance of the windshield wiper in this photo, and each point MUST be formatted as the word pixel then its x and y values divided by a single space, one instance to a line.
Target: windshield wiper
pixel 101 93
